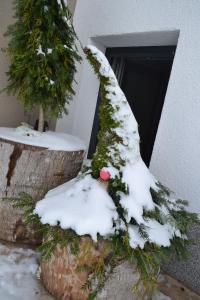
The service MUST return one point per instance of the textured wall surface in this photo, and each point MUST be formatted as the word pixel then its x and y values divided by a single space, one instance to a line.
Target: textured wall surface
pixel 188 272
pixel 72 5
pixel 11 111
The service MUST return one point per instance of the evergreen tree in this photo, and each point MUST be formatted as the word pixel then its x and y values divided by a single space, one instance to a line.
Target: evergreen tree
pixel 43 56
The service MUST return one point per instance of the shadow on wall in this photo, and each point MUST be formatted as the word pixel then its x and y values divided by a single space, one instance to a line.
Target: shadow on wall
pixel 11 111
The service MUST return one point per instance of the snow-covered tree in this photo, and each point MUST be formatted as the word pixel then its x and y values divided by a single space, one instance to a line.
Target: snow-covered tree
pixel 43 56
pixel 117 198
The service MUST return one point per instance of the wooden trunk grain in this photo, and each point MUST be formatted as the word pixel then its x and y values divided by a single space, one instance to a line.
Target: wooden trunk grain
pixel 33 170
pixel 60 274
pixel 63 274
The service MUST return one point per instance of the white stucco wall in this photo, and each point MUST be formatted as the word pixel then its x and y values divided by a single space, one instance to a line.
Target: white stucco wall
pixel 176 155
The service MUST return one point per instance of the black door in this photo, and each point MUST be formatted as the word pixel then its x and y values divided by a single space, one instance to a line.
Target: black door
pixel 143 74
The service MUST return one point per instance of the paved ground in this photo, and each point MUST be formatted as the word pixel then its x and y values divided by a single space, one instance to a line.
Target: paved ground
pixel 188 271
pixel 176 290
pixel 18 280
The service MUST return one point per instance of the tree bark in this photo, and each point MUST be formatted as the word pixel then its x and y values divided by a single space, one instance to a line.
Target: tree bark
pixel 41 119
pixel 61 274
pixel 33 170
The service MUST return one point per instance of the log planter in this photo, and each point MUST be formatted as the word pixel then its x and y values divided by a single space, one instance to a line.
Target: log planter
pixel 63 274
pixel 60 274
pixel 33 170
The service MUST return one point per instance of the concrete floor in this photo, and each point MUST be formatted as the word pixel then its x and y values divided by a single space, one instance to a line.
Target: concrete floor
pixel 188 272
pixel 120 287
pixel 175 289
pixel 18 274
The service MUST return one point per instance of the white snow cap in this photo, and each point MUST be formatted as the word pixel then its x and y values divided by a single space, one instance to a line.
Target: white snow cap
pixel 49 50
pixel 60 3
pixel 40 51
pixel 49 139
pixel 157 233
pixel 51 82
pixel 81 204
pixel 139 181
pixel 18 269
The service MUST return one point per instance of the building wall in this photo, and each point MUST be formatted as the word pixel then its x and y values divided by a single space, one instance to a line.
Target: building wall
pixel 11 111
pixel 175 160
pixel 72 5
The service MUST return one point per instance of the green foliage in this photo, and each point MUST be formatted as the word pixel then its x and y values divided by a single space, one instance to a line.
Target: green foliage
pixel 107 137
pixel 146 261
pixel 100 271
pixel 43 55
pixel 51 236
pixel 116 186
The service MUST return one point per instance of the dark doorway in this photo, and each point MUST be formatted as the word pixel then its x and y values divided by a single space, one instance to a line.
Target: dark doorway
pixel 143 74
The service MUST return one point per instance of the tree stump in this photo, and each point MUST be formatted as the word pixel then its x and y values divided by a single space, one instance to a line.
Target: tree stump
pixel 33 170
pixel 60 276
pixel 63 276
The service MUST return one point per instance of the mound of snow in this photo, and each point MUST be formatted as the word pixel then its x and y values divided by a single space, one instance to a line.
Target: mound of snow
pixel 81 204
pixel 18 281
pixel 84 205
pixel 139 181
pixel 50 140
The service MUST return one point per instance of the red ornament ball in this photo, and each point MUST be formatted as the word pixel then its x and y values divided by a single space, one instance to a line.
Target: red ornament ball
pixel 104 175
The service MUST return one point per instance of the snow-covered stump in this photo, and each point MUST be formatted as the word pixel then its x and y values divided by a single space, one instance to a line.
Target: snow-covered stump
pixel 62 278
pixel 33 170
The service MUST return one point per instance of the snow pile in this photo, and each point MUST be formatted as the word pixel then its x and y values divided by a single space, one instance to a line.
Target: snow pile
pixel 84 204
pixel 50 140
pixel 40 51
pixel 18 280
pixel 160 296
pixel 157 233
pixel 81 204
pixel 60 3
pixel 139 180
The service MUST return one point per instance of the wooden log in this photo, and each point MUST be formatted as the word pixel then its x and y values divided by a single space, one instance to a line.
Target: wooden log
pixel 60 274
pixel 33 170
pixel 63 276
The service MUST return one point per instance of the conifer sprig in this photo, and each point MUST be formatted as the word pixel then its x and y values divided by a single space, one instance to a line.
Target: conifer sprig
pixel 43 53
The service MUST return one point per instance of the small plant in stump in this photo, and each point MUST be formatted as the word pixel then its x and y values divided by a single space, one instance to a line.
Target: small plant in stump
pixel 43 56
